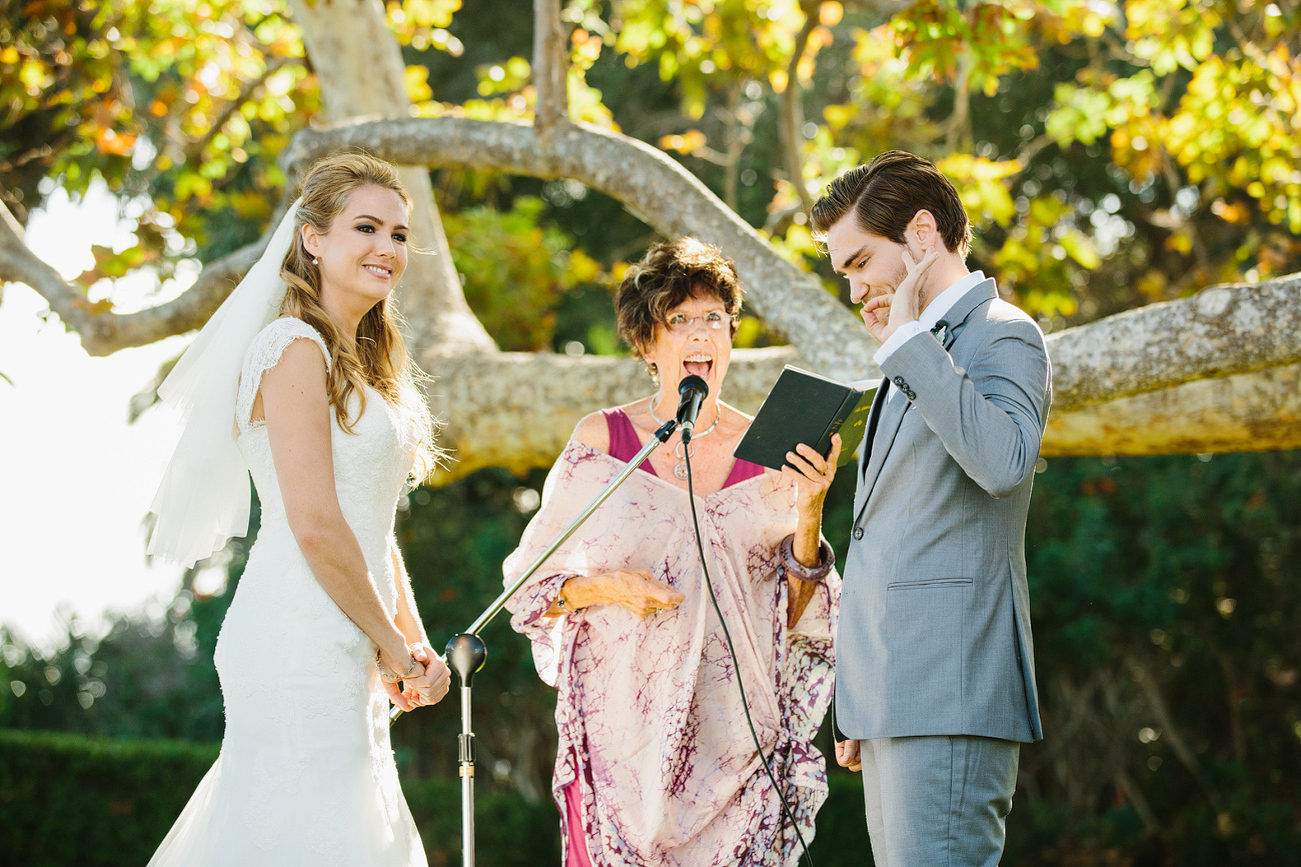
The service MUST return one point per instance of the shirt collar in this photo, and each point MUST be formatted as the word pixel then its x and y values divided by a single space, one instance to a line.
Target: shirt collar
pixel 944 302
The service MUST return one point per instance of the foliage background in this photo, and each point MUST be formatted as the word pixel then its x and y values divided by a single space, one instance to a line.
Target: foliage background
pixel 1111 154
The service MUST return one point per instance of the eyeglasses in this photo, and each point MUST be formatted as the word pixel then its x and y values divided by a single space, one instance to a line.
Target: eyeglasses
pixel 714 320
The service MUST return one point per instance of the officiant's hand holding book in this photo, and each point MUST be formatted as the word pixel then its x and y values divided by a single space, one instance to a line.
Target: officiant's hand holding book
pixel 804 407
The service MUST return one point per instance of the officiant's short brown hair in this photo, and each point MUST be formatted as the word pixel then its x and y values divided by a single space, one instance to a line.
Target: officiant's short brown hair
pixel 887 193
pixel 665 277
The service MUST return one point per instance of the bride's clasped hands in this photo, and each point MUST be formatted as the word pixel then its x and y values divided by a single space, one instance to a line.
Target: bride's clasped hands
pixel 425 682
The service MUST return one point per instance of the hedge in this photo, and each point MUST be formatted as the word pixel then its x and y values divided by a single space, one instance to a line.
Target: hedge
pixel 70 800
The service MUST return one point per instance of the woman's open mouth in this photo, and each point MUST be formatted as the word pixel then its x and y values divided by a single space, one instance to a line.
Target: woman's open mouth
pixel 698 365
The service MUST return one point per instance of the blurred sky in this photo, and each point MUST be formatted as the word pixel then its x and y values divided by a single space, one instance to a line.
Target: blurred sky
pixel 75 479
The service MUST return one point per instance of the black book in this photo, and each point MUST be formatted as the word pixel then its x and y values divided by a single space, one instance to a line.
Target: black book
pixel 804 407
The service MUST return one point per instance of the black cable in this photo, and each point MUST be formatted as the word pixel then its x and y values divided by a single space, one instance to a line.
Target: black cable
pixel 745 703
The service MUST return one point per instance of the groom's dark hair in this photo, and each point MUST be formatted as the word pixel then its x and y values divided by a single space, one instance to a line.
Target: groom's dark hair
pixel 887 193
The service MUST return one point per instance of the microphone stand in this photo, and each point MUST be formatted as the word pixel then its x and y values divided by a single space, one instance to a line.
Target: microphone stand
pixel 466 652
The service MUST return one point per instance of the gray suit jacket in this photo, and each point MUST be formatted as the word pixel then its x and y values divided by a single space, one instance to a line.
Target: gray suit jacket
pixel 934 631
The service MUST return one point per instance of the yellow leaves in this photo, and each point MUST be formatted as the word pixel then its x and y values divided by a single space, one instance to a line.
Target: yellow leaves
pixel 830 13
pixel 1181 240
pixel 1093 24
pixel 1171 35
pixel 967 167
pixel 422 24
pixel 1141 15
pixel 586 48
pixel 797 247
pixel 1080 114
pixel 108 142
pixel 415 80
pixel 585 103
pixel 9 55
pixel 1136 146
pixel 428 13
pixel 1078 246
pixel 839 116
pixel 1152 284
pixel 1237 125
pixel 35 76
pixel 192 185
pixel 583 268
pixel 686 143
pixel 979 183
pixel 873 47
pixel 1231 212
pixel 778 79
pixel 504 78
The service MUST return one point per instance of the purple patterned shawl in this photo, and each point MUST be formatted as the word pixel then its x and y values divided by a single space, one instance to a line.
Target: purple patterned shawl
pixel 649 717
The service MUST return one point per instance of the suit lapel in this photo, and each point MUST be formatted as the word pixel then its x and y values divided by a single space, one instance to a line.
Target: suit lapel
pixel 885 420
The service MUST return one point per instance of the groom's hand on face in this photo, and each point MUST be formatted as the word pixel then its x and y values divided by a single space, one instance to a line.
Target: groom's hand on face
pixel 848 755
pixel 883 314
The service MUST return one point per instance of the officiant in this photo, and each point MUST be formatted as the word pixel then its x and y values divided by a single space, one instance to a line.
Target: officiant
pixel 655 762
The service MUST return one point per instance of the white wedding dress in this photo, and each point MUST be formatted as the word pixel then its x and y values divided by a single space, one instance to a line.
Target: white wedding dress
pixel 306 773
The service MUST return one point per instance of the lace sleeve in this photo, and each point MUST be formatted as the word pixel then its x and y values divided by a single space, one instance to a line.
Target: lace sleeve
pixel 263 354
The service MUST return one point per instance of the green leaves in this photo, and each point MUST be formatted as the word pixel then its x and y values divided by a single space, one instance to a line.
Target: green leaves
pixel 168 102
pixel 516 270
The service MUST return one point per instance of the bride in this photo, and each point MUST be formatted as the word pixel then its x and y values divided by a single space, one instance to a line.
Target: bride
pixel 302 378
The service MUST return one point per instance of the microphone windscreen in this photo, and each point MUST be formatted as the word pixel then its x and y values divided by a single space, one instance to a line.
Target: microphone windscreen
pixel 693 383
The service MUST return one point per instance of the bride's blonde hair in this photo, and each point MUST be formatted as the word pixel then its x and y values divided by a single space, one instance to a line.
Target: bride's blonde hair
pixel 379 356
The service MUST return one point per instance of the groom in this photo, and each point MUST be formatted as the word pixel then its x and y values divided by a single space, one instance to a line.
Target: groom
pixel 935 681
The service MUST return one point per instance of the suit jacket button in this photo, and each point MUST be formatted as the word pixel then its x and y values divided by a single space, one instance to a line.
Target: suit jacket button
pixel 858 532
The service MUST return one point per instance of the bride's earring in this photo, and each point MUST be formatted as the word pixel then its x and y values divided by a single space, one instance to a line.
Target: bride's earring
pixel 315 261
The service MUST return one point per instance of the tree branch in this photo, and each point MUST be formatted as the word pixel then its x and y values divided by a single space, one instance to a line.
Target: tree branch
pixel 103 333
pixel 1221 331
pixel 648 183
pixel 517 409
pixel 550 65
pixel 1251 412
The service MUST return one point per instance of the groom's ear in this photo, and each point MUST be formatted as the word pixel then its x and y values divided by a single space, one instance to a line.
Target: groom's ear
pixel 922 232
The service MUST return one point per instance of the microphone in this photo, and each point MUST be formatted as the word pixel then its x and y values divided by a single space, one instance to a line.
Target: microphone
pixel 692 392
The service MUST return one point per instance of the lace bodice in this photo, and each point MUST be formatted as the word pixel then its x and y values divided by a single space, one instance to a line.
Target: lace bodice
pixel 371 464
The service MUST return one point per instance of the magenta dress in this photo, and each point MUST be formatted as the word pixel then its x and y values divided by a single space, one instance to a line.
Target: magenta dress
pixel 656 766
